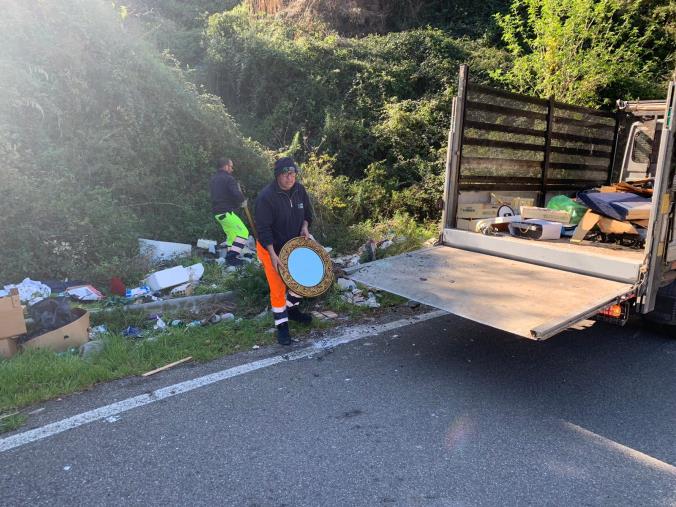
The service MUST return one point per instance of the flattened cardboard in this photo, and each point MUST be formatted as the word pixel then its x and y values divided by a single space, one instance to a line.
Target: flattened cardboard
pixel 12 322
pixel 71 335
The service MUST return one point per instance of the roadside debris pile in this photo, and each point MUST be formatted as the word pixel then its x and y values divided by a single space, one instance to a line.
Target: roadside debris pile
pixel 354 295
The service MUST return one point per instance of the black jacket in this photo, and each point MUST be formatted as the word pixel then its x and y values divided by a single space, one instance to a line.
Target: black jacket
pixel 279 215
pixel 225 193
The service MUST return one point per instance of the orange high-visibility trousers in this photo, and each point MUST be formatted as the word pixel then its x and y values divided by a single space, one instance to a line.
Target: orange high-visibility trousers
pixel 280 298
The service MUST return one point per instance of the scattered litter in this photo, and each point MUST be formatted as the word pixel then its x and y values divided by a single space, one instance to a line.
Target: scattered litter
pixel 160 324
pixel 163 250
pixel 67 467
pixel 91 349
pixel 167 366
pixel 132 332
pixel 167 278
pixel 207 244
pixel 195 272
pixel 368 251
pixel 176 323
pixel 263 314
pixel 412 304
pixel 324 315
pixel 194 323
pixel 50 314
pixel 138 292
pixel 36 411
pixel 113 418
pixel 30 291
pixel 117 286
pixel 97 331
pixel 346 284
pixel 395 336
pixel 183 290
pixel 227 316
pixel 215 319
pixel 347 261
pixel 256 347
pixel 385 244
pixel 328 249
pixel 85 293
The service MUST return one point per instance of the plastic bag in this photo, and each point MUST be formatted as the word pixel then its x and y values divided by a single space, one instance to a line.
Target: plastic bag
pixel 564 203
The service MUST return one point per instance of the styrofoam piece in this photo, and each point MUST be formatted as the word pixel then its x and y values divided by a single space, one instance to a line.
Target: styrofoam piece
pixel 163 250
pixel 207 244
pixel 195 271
pixel 168 278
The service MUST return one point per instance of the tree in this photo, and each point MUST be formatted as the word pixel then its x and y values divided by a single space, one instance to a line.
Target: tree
pixel 576 50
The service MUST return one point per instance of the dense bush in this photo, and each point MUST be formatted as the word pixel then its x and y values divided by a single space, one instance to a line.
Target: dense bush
pixel 101 142
pixel 378 107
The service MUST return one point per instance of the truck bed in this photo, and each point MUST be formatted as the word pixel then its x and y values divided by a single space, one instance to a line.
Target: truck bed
pixel 610 262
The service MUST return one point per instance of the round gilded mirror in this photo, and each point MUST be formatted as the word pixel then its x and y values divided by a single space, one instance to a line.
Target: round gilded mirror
pixel 305 267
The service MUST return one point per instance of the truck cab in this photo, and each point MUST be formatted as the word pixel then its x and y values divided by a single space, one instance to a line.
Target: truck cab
pixel 520 149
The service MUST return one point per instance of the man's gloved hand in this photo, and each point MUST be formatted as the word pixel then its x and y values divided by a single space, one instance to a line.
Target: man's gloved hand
pixel 245 203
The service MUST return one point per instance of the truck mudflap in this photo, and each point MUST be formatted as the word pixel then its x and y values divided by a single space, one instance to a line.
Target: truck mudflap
pixel 525 299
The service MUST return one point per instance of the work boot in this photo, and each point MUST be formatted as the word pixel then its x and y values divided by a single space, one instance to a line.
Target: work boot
pixel 232 260
pixel 296 315
pixel 283 337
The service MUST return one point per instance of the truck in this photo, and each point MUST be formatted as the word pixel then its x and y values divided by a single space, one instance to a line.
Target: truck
pixel 529 150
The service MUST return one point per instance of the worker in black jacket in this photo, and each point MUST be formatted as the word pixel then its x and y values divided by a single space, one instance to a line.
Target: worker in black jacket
pixel 226 197
pixel 283 212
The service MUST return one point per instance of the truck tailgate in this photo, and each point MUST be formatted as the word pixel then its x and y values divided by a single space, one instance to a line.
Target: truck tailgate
pixel 525 299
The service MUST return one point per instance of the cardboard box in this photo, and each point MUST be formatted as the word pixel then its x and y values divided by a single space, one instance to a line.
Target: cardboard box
pixel 550 215
pixel 8 347
pixel 478 210
pixel 514 202
pixel 71 335
pixel 12 322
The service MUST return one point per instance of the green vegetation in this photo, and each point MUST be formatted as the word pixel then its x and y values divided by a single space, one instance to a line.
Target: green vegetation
pixel 585 51
pixel 102 142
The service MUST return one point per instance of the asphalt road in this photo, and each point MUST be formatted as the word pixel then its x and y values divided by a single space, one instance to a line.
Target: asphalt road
pixel 440 413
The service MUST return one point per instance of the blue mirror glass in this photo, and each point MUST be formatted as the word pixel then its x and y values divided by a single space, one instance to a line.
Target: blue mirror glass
pixel 305 267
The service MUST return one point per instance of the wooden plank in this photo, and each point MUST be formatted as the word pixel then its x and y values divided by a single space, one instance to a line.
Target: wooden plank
pixel 581 123
pixel 494 92
pixel 585 110
pixel 510 145
pixel 507 111
pixel 582 139
pixel 166 366
pixel 583 152
pixel 500 163
pixel 507 129
pixel 571 166
pixel 517 297
pixel 587 223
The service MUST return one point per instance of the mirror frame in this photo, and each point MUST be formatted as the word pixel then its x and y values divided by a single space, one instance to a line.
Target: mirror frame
pixel 302 290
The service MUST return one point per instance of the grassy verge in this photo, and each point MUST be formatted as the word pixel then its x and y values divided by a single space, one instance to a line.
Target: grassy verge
pixel 37 375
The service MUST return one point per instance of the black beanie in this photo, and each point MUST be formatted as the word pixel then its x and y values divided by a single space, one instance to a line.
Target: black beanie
pixel 282 163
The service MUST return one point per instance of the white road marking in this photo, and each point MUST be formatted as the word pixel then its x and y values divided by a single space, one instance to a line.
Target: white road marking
pixel 644 459
pixel 114 409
